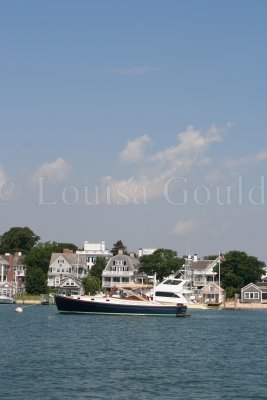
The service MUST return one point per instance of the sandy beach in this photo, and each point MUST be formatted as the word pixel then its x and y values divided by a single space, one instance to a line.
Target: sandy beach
pixel 230 305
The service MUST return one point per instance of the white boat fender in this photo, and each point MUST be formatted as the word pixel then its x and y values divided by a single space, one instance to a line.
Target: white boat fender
pixel 19 309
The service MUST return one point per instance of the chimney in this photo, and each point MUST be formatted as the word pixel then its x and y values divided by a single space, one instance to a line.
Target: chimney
pixel 120 251
pixel 195 257
pixel 132 254
pixel 67 251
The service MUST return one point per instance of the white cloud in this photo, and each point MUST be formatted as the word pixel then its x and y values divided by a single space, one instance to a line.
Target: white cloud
pixel 261 156
pixel 2 174
pixel 54 172
pixel 246 161
pixel 191 143
pixel 183 228
pixel 134 151
pixel 158 169
pixel 214 177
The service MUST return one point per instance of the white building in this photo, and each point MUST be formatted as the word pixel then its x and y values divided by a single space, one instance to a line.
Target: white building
pixel 145 252
pixel 200 272
pixel 93 250
pixel 13 271
pixel 66 264
pixel 123 270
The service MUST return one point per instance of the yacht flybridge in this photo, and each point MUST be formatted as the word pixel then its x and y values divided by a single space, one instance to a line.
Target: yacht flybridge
pixel 174 290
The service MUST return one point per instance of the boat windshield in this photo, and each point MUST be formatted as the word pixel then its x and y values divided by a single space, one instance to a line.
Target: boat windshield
pixel 172 282
pixel 167 294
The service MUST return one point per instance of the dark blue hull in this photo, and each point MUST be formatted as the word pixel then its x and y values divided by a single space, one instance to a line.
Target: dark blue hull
pixel 72 305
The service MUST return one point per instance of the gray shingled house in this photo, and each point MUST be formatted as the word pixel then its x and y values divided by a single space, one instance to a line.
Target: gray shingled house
pixel 254 293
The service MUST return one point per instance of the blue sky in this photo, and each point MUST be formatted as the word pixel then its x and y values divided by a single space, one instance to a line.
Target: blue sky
pixel 143 121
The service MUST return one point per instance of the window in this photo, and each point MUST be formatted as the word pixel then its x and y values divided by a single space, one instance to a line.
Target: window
pixel 251 295
pixel 125 279
pixel 116 279
pixel 199 278
pixel 166 294
pixel 107 279
pixel 172 282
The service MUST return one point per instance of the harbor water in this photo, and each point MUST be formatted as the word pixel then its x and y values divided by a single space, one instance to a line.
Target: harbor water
pixel 213 354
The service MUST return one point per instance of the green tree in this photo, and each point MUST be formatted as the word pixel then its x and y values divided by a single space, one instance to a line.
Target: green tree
pixel 39 256
pixel 238 270
pixel 162 262
pixel 91 284
pixel 36 281
pixel 37 263
pixel 118 246
pixel 18 239
pixel 98 267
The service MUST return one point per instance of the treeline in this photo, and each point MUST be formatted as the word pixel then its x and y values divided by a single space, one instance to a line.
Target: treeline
pixel 238 269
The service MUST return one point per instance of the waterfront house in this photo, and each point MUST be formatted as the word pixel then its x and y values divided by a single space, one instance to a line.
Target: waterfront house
pixel 71 286
pixel 254 293
pixel 212 294
pixel 12 270
pixel 7 289
pixel 4 268
pixel 92 251
pixel 121 270
pixel 63 265
pixel 201 272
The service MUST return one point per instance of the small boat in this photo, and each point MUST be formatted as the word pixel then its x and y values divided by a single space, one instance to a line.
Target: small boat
pixel 6 300
pixel 123 305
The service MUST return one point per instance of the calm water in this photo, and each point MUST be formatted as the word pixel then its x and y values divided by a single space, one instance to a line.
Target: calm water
pixel 211 355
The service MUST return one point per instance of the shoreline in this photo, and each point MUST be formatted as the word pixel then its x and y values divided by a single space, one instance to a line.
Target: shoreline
pixel 229 305
pixel 27 302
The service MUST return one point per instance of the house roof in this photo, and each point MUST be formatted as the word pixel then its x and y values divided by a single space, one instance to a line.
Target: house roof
pixel 17 260
pixel 215 288
pixel 262 286
pixel 71 258
pixel 9 285
pixel 76 280
pixel 3 260
pixel 201 264
pixel 132 260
